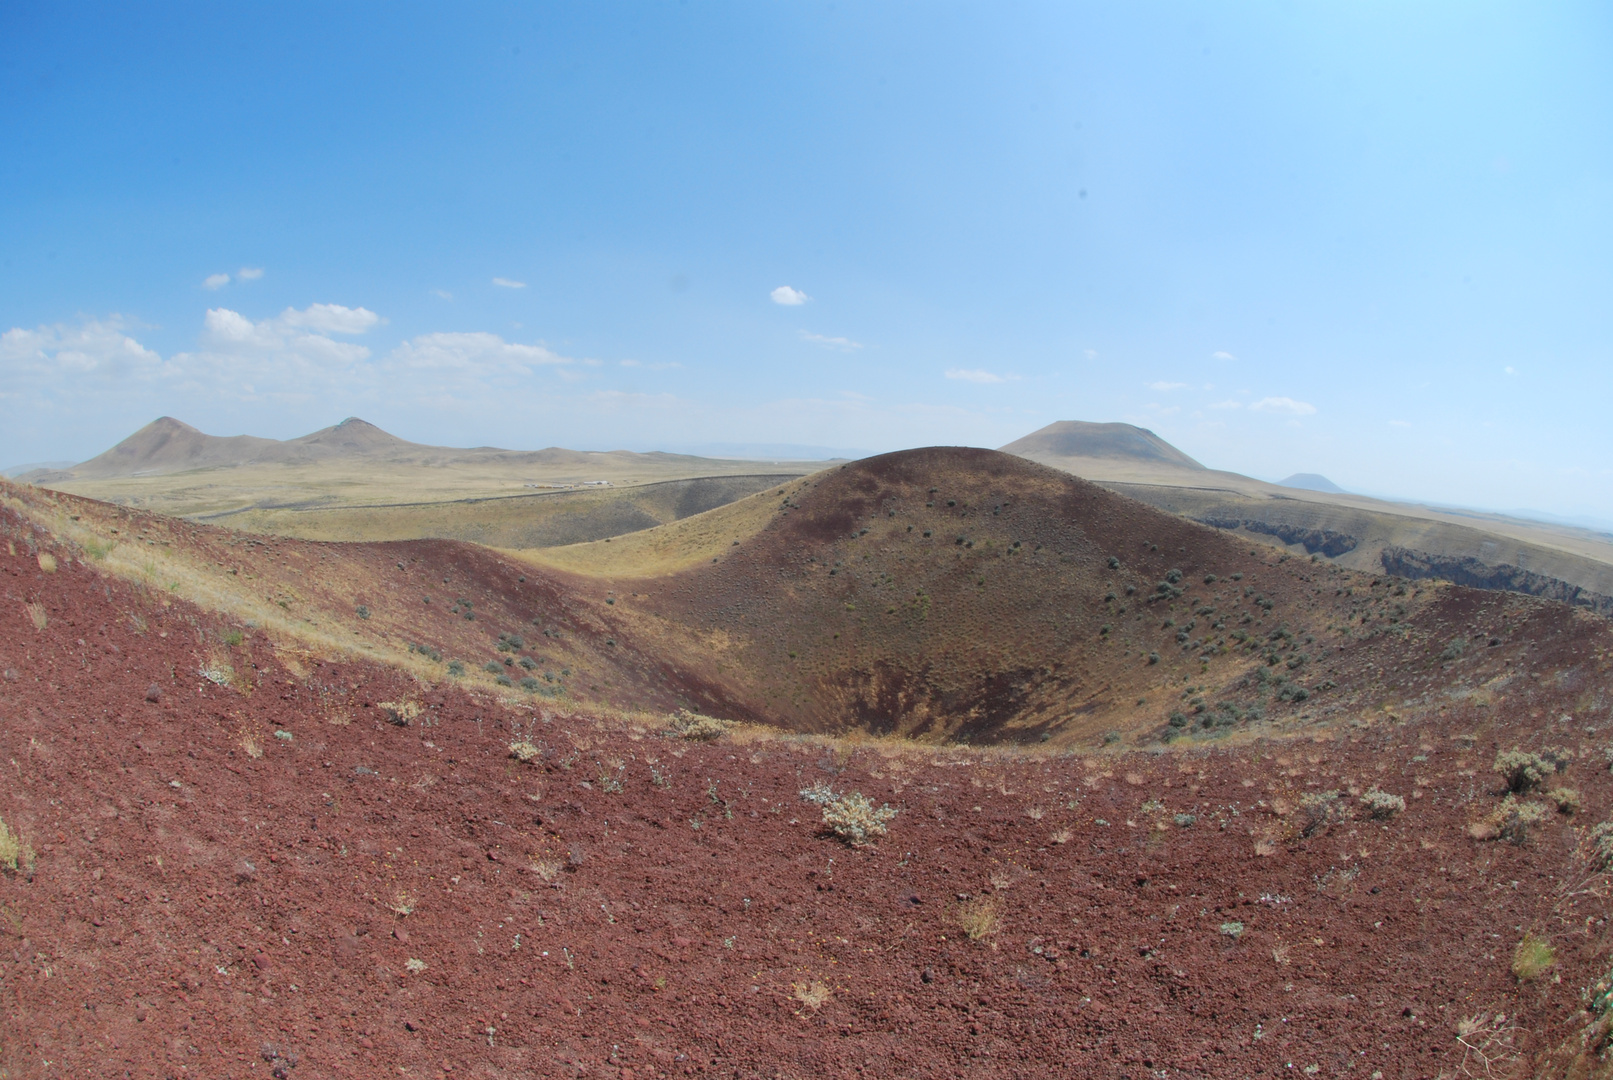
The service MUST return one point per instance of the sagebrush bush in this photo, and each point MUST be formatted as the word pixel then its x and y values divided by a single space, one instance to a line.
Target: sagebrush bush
pixel 1565 798
pixel 1380 805
pixel 1320 809
pixel 853 816
pixel 1601 841
pixel 524 750
pixel 1513 819
pixel 697 727
pixel 1522 770
pixel 402 713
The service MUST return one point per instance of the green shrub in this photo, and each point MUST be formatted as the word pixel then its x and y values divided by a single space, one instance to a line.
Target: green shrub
pixel 1455 649
pixel 493 667
pixel 1522 770
pixel 1512 820
pixel 1565 798
pixel 854 818
pixel 363 612
pixel 1601 841
pixel 696 727
pixel 1380 805
pixel 1319 810
pixel 456 667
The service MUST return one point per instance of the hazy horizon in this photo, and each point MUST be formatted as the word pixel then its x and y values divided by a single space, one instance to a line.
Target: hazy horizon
pixel 1369 243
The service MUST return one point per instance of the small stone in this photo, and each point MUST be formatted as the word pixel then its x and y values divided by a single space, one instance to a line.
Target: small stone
pixel 153 693
pixel 402 935
pixel 245 870
pixel 261 962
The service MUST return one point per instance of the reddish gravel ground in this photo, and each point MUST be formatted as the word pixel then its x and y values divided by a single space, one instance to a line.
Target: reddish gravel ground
pixel 631 905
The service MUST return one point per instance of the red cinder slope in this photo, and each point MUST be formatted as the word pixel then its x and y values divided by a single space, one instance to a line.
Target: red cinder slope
pixel 368 898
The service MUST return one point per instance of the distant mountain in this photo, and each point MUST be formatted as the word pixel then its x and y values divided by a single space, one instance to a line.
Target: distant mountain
pixel 1079 439
pixel 11 472
pixel 168 446
pixel 1310 481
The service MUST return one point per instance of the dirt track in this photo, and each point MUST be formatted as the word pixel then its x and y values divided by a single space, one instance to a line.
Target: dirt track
pixel 196 911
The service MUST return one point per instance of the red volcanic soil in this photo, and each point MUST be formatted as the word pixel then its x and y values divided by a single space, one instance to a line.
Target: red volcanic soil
pixel 628 905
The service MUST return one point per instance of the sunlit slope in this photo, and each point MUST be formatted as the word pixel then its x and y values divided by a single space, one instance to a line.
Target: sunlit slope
pixel 673 547
pixel 542 519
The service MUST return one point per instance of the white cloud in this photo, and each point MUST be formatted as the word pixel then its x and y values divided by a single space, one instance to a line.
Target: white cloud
pixel 94 347
pixel 978 376
pixel 249 273
pixel 1092 354
pixel 215 281
pixel 1510 370
pixel 1165 386
pixel 1283 405
pixel 670 365
pixel 475 354
pixel 789 297
pixel 443 293
pixel 1400 423
pixel 506 283
pixel 843 344
pixel 331 318
pixel 235 347
pixel 1222 355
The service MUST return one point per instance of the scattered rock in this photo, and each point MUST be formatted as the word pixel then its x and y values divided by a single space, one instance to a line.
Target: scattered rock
pixel 153 693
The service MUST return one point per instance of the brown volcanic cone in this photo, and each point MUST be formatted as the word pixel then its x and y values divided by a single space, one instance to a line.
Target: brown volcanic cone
pixel 1079 439
pixel 957 593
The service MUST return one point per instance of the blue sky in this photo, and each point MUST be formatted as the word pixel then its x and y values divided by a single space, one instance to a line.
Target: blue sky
pixel 1369 240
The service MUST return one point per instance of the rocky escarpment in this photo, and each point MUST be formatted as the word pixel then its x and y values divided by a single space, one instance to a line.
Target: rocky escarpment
pixel 1466 570
pixel 1326 541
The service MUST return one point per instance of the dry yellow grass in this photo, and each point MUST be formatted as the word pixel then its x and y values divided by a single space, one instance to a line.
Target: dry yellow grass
pixel 171 570
pixel 15 852
pixel 979 918
pixel 666 549
pixel 812 994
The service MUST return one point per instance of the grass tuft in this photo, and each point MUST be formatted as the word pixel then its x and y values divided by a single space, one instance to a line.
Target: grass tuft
pixel 1532 958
